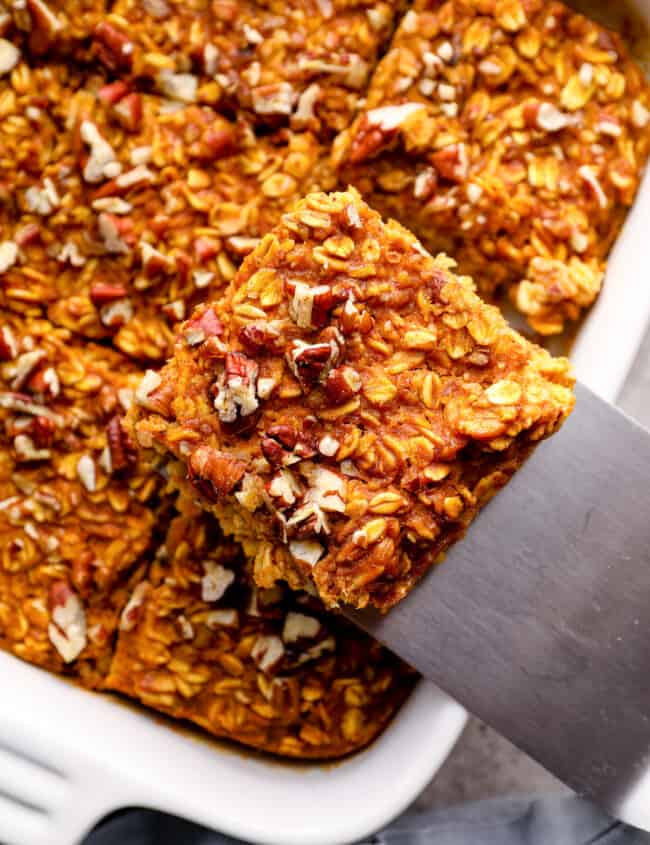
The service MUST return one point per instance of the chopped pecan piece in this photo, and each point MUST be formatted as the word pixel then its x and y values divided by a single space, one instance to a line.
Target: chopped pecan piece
pixel 121 447
pixel 235 392
pixel 103 293
pixel 114 48
pixel 45 26
pixel 309 362
pixel 310 306
pixel 213 473
pixel 8 346
pixel 341 384
pixel 258 338
pixel 42 431
pixel 200 328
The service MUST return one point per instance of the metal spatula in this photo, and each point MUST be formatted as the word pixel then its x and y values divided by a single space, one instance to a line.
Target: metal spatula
pixel 539 620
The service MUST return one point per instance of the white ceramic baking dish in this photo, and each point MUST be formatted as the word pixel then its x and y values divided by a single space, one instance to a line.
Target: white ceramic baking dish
pixel 69 757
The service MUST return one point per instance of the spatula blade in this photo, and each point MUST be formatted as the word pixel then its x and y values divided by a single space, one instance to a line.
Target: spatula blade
pixel 538 621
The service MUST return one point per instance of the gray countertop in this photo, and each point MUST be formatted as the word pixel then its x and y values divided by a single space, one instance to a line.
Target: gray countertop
pixel 483 764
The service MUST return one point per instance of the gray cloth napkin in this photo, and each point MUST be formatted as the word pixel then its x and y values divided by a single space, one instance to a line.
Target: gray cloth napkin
pixel 512 821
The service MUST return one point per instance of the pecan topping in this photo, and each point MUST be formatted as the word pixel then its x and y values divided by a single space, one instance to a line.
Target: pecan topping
pixel 310 306
pixel 42 431
pixel 311 362
pixel 8 345
pixel 102 293
pixel 341 384
pixel 113 92
pixel 128 112
pixel 133 609
pixel 257 338
pixel 113 47
pixel 378 128
pixel 122 448
pixel 451 162
pixel 268 652
pixel 235 392
pixel 198 329
pixel 67 630
pixel 282 444
pixel 213 473
pixel 46 26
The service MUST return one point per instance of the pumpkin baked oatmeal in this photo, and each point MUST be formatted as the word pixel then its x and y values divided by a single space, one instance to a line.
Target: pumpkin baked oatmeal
pixel 303 63
pixel 268 668
pixel 76 499
pixel 132 208
pixel 511 134
pixel 349 404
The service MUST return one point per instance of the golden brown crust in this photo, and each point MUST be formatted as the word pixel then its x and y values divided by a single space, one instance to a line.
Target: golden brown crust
pixel 75 497
pixel 267 668
pixel 350 399
pixel 511 134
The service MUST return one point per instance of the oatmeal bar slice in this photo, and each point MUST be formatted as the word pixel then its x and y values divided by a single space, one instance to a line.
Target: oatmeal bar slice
pixel 350 404
pixel 74 495
pixel 135 208
pixel 267 668
pixel 303 63
pixel 512 135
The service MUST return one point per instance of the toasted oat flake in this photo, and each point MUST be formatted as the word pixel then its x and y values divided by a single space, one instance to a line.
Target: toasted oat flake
pixel 586 73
